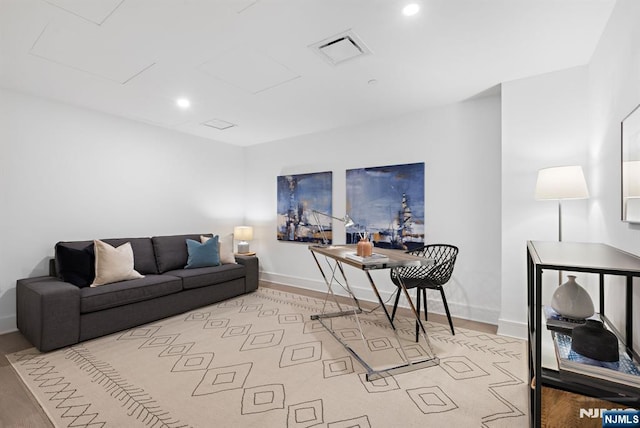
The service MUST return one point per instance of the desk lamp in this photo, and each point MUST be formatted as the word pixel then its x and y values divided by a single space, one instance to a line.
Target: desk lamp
pixel 346 220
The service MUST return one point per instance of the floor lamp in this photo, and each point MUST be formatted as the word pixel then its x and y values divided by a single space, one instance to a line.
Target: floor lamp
pixel 560 183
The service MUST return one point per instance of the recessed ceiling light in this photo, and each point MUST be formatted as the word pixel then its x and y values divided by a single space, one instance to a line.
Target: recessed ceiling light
pixel 411 9
pixel 183 103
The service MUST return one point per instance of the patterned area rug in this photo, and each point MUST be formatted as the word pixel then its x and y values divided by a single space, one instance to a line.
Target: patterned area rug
pixel 260 361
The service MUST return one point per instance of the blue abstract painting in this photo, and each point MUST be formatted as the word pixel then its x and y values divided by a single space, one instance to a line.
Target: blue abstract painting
pixel 387 205
pixel 304 207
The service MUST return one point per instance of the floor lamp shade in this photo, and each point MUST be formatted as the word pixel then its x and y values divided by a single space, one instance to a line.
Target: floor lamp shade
pixel 563 182
pixel 560 183
pixel 243 234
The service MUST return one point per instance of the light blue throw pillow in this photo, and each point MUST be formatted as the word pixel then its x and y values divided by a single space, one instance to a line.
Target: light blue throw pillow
pixel 203 255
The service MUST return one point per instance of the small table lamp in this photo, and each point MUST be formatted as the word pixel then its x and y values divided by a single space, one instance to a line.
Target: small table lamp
pixel 243 234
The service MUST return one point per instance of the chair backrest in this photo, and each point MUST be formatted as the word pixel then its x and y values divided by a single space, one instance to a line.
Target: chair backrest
pixel 444 256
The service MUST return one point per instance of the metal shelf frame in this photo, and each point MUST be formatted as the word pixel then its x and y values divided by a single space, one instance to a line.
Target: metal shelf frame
pixel 596 258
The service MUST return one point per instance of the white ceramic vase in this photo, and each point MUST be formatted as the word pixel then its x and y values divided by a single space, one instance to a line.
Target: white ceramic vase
pixel 572 301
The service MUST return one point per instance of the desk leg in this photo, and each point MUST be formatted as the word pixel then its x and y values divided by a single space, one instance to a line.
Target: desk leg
pixel 375 290
pixel 337 266
pixel 328 284
pixel 372 374
pixel 421 329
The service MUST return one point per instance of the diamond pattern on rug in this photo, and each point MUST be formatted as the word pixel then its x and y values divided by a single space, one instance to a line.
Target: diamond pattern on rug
pixel 217 323
pixel 349 334
pixel 223 379
pixel 314 326
pixel 290 319
pixel 337 367
pixel 300 354
pixel 231 303
pixel 240 330
pixel 384 384
pixel 263 398
pixel 413 351
pixel 379 344
pixel 158 341
pixel 431 400
pixel 262 340
pixel 250 308
pixel 197 316
pixel 360 422
pixel 139 332
pixel 306 414
pixel 461 367
pixel 179 349
pixel 167 373
pixel 193 362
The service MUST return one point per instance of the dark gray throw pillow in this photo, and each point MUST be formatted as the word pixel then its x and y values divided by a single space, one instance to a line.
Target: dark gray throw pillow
pixel 76 266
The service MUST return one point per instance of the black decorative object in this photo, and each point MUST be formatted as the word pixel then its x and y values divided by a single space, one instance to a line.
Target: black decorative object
pixel 594 341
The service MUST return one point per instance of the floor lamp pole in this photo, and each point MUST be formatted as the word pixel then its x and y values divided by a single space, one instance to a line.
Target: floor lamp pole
pixel 559 234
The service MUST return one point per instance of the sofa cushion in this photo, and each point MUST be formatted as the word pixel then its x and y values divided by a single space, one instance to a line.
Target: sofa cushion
pixel 225 247
pixel 143 255
pixel 75 265
pixel 113 264
pixel 204 254
pixel 201 277
pixel 171 251
pixel 125 292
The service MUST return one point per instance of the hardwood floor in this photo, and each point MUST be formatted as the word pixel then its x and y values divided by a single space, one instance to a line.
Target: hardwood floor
pixel 18 408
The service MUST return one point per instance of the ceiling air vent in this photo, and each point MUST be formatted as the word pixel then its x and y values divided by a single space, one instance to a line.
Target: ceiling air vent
pixel 340 48
pixel 219 124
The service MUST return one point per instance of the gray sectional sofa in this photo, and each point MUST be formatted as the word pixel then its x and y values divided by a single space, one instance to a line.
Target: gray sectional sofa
pixel 52 313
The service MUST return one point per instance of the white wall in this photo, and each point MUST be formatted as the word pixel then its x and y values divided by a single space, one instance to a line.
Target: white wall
pixel 460 146
pixel 544 124
pixel 570 117
pixel 72 174
pixel 614 90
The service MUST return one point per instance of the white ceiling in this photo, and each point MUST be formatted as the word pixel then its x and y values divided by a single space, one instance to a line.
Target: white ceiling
pixel 248 62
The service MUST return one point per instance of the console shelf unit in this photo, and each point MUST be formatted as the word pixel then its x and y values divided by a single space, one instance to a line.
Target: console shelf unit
pixel 596 258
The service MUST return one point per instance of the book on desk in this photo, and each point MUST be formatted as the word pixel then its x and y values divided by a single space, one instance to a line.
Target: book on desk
pixel 374 258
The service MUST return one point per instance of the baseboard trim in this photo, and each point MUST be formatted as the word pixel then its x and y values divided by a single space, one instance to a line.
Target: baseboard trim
pixel 512 329
pixel 8 324
pixel 471 313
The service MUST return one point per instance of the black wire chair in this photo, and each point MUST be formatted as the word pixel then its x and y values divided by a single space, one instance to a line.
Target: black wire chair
pixel 427 277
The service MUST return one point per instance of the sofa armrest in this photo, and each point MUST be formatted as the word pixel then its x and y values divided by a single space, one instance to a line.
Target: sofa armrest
pixel 48 312
pixel 252 266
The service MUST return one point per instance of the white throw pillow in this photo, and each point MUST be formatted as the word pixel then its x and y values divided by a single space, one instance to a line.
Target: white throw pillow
pixel 225 248
pixel 113 264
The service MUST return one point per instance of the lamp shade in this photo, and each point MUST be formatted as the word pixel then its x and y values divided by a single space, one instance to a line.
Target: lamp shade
pixel 243 233
pixel 563 182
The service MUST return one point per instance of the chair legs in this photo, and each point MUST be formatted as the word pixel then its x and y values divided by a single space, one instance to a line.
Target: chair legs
pixel 422 301
pixel 418 312
pixel 395 305
pixel 446 308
